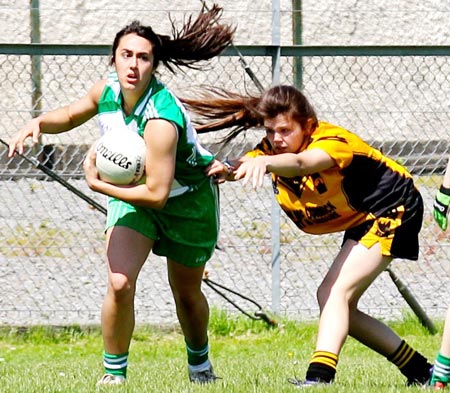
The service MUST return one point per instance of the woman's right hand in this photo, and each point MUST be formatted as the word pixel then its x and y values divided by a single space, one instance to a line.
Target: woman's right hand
pixel 31 129
pixel 253 171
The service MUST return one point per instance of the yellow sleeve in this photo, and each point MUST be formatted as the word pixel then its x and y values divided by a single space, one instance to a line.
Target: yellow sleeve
pixel 336 147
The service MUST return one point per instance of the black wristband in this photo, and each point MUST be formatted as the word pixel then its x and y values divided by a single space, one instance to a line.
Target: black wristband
pixel 444 190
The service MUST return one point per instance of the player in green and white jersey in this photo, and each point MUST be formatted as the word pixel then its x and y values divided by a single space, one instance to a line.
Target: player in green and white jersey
pixel 174 211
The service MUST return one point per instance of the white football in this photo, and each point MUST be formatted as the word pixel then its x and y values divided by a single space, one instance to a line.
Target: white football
pixel 120 157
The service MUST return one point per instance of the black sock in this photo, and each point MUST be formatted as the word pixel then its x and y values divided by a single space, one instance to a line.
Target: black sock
pixel 411 363
pixel 322 367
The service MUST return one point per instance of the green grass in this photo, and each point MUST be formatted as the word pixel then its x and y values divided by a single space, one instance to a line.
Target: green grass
pixel 249 355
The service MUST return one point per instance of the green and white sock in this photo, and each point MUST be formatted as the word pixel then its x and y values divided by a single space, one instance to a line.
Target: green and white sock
pixel 200 367
pixel 116 364
pixel 441 370
pixel 197 356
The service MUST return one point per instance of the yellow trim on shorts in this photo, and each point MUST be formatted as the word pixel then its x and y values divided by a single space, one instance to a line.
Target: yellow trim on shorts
pixel 383 231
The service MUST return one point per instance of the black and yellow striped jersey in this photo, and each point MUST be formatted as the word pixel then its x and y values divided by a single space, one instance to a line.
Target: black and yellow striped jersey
pixel 363 185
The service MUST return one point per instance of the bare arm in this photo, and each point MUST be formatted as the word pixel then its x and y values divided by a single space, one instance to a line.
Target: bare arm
pixel 286 165
pixel 161 139
pixel 59 120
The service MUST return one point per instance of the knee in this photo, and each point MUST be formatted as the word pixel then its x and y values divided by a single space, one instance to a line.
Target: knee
pixel 121 287
pixel 334 292
pixel 187 298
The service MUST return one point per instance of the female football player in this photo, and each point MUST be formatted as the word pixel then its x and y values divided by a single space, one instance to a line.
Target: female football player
pixel 174 213
pixel 326 179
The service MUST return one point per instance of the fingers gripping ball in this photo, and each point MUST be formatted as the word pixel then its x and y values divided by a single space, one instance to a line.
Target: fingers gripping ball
pixel 120 157
pixel 440 207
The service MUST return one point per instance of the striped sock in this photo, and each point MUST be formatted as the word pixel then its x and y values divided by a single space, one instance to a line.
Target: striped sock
pixel 441 370
pixel 197 356
pixel 411 363
pixel 322 366
pixel 115 364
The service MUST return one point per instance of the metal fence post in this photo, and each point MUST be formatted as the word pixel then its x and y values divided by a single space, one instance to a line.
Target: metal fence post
pixel 276 69
pixel 35 37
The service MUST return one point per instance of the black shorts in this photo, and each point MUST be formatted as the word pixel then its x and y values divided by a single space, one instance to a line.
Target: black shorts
pixel 397 230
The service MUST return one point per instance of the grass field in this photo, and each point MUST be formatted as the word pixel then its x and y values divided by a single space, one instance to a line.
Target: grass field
pixel 249 355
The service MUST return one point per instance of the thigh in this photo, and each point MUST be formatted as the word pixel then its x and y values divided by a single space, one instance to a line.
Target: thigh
pixel 355 268
pixel 126 250
pixel 123 214
pixel 184 279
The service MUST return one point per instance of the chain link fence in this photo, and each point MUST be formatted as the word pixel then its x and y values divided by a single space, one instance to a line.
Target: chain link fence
pixel 52 259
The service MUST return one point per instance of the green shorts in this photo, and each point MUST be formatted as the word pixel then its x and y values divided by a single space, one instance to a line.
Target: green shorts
pixel 186 230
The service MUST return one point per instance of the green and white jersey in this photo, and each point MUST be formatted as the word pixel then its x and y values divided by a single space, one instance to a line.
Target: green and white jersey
pixel 158 102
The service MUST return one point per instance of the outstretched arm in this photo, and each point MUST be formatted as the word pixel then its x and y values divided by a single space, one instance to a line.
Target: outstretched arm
pixel 286 165
pixel 59 120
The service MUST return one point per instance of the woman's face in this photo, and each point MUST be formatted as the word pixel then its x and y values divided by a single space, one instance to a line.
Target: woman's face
pixel 285 134
pixel 134 63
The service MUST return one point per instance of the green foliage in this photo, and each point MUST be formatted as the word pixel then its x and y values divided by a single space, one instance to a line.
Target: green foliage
pixel 223 324
pixel 48 334
pixel 250 356
pixel 409 325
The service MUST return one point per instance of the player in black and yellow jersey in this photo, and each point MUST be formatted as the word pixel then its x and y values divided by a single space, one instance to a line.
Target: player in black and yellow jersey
pixel 327 179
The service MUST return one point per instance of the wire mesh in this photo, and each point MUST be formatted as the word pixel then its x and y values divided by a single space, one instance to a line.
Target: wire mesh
pixel 52 267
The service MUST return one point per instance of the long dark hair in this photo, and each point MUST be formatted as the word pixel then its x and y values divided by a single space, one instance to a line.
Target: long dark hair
pixel 221 109
pixel 197 40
